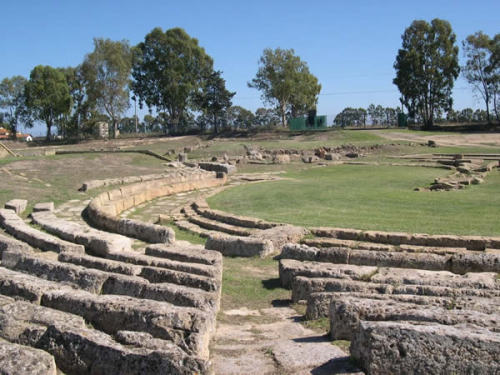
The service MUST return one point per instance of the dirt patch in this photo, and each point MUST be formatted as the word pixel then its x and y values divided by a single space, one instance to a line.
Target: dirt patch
pixel 483 140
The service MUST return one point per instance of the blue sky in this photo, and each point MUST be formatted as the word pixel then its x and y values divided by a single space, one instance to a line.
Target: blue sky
pixel 349 45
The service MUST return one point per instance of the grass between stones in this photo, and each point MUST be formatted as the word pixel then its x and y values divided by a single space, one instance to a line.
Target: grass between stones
pixel 252 283
pixel 184 235
pixel 369 198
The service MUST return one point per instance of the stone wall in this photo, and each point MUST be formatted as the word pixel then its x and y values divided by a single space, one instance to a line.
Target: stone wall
pixel 104 210
pixel 418 239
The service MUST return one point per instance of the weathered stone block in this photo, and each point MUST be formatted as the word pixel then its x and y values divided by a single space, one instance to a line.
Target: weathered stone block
pixel 403 348
pixel 17 205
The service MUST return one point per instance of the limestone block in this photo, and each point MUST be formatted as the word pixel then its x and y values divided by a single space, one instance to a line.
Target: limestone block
pixel 404 348
pixel 23 360
pixel 239 246
pixel 18 205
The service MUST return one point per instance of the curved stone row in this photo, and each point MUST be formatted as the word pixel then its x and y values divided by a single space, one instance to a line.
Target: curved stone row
pixel 14 225
pixel 104 209
pixel 95 241
pixel 151 311
pixel 459 262
pixel 233 235
pixel 392 304
pixel 417 239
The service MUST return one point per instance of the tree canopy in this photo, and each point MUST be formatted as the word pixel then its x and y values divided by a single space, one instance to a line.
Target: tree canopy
pixel 426 68
pixel 12 101
pixel 481 70
pixel 107 76
pixel 285 82
pixel 47 95
pixel 169 68
pixel 214 99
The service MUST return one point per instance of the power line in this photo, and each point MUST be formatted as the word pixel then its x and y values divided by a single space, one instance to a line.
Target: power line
pixel 353 92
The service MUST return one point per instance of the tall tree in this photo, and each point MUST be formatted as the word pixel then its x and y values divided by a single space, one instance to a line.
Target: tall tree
pixel 266 117
pixel 107 76
pixel 214 99
pixel 12 101
pixel 285 82
pixel 240 118
pixel 47 95
pixel 494 70
pixel 426 68
pixel 169 68
pixel 479 70
pixel 84 107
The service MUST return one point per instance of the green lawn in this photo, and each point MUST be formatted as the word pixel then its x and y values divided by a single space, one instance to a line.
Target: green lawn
pixel 369 197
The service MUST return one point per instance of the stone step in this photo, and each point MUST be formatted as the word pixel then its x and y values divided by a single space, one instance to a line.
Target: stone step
pixel 139 259
pixel 218 227
pixel 318 304
pixel 101 264
pixel 69 274
pixel 27 287
pixel 176 294
pixel 405 348
pixel 302 287
pixel 347 312
pixel 15 226
pixel 23 360
pixel 187 327
pixel 194 228
pixel 183 289
pixel 163 275
pixel 11 244
pixel 360 245
pixel 95 241
pixel 419 239
pixel 459 263
pixel 240 246
pixel 202 209
pixel 289 269
pixel 78 349
pixel 194 254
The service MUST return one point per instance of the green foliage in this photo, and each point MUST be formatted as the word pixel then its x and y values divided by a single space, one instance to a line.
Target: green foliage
pixel 84 111
pixel 13 102
pixel 285 81
pixel 47 95
pixel 240 118
pixel 214 99
pixel 169 69
pixel 426 68
pixel 106 72
pixel 482 69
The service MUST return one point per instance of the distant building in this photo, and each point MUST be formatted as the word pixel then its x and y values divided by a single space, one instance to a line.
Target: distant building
pixel 5 134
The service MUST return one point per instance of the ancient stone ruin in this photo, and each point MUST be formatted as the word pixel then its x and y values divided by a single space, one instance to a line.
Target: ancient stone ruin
pixel 80 297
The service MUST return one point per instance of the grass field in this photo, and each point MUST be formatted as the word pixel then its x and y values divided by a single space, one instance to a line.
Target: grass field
pixel 369 197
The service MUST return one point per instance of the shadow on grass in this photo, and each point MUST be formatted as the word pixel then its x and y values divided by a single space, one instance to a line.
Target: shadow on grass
pixel 272 284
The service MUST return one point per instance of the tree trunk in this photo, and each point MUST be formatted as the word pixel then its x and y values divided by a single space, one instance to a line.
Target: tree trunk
pixel 495 107
pixel 216 130
pixel 487 100
pixel 49 125
pixel 115 127
pixel 283 114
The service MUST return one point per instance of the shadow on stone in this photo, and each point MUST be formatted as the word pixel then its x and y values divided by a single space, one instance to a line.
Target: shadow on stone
pixel 343 365
pixel 322 338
